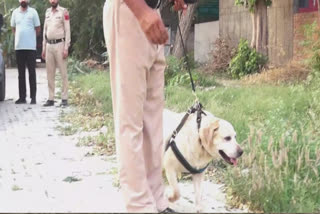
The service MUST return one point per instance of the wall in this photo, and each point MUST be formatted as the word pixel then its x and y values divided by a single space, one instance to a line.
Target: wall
pixel 235 23
pixel 205 35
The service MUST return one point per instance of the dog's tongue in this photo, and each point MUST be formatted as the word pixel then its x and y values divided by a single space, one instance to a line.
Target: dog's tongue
pixel 234 161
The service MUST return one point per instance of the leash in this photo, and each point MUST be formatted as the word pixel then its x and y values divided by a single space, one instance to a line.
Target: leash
pixel 186 58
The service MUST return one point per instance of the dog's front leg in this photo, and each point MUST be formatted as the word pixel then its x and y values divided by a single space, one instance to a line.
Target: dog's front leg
pixel 173 194
pixel 197 182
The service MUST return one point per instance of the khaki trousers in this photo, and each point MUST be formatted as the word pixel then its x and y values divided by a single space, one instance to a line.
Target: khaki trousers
pixel 54 59
pixel 137 83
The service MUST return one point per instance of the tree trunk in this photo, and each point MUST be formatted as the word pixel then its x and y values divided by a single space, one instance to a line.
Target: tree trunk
pixel 254 29
pixel 260 28
pixel 319 9
pixel 185 25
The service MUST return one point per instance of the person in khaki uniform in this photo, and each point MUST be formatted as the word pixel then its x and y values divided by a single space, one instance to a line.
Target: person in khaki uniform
pixel 56 42
pixel 135 34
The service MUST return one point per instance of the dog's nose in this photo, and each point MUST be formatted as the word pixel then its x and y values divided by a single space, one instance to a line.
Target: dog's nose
pixel 240 152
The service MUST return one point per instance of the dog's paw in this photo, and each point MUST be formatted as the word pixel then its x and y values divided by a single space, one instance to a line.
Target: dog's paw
pixel 172 195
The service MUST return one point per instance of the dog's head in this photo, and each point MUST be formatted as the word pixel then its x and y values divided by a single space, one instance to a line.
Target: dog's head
pixel 219 137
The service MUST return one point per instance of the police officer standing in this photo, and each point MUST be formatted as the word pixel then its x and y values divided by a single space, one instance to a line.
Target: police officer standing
pixel 56 42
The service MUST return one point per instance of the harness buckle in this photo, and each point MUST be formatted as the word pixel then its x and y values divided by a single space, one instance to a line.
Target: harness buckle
pixel 174 134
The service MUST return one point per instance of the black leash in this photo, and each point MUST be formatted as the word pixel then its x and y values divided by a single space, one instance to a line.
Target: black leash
pixel 186 56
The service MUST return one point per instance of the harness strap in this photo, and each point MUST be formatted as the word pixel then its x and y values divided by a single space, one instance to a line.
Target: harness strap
pixel 191 110
pixel 171 143
pixel 183 161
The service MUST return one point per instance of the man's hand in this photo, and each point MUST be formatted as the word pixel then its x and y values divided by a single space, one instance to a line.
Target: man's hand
pixel 65 54
pixel 149 20
pixel 153 27
pixel 43 55
pixel 179 5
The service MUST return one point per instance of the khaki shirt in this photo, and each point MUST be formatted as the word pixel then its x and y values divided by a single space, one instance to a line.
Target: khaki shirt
pixel 57 26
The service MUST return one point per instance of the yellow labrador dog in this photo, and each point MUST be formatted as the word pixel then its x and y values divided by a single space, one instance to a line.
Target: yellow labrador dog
pixel 215 138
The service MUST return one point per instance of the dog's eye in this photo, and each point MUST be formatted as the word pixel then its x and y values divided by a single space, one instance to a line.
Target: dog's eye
pixel 227 138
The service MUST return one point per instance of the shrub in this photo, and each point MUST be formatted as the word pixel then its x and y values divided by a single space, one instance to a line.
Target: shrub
pixel 176 74
pixel 220 56
pixel 246 61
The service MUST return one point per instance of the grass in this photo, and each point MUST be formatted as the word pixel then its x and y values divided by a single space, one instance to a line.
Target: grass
pixel 90 92
pixel 277 126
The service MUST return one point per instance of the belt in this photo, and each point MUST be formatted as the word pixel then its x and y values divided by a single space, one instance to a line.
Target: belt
pixel 55 41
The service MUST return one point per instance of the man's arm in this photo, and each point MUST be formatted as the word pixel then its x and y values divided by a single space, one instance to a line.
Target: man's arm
pixel 36 22
pixel 44 41
pixel 13 23
pixel 38 29
pixel 67 29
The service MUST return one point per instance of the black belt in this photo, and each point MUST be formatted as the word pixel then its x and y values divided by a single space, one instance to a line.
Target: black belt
pixel 55 41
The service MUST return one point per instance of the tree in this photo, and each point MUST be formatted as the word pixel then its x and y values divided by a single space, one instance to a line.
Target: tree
pixel 319 5
pixel 86 28
pixel 185 22
pixel 258 10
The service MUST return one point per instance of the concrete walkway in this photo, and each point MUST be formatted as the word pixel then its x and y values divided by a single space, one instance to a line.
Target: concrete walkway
pixel 42 171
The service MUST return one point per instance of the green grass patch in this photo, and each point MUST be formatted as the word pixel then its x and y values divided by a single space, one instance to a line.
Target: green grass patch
pixel 90 92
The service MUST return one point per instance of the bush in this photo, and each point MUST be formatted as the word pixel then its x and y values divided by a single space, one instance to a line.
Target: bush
pixel 176 74
pixel 246 61
pixel 220 56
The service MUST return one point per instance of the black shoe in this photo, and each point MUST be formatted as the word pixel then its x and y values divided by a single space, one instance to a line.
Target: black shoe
pixel 21 101
pixel 49 103
pixel 168 210
pixel 33 101
pixel 64 103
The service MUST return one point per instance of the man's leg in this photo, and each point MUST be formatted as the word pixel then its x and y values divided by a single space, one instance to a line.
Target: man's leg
pixel 31 63
pixel 152 132
pixel 21 63
pixel 126 48
pixel 62 65
pixel 51 70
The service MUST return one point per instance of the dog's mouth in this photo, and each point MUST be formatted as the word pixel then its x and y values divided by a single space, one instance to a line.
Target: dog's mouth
pixel 231 161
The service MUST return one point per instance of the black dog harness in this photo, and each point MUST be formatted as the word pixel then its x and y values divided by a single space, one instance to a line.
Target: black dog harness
pixel 171 143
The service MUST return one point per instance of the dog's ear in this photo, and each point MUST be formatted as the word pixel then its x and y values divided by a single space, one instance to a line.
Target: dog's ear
pixel 207 133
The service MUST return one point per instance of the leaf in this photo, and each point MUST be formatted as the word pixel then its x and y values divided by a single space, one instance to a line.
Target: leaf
pixel 71 179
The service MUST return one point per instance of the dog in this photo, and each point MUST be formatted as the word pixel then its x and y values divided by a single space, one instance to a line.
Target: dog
pixel 216 138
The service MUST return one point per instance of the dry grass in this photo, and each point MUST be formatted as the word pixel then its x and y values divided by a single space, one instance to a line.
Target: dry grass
pixel 291 73
pixel 220 56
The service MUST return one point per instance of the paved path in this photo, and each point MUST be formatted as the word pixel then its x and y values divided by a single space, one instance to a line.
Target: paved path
pixel 35 160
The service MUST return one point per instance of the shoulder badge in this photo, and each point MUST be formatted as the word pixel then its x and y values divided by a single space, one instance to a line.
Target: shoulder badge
pixel 66 15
